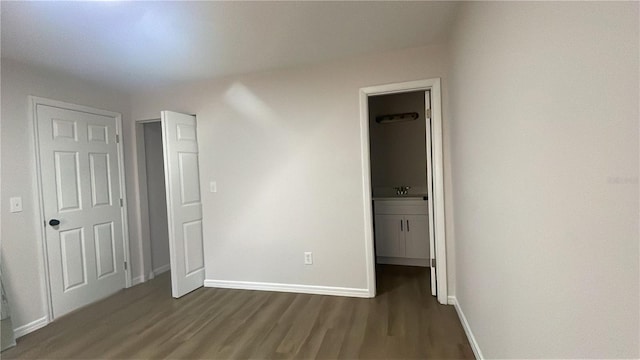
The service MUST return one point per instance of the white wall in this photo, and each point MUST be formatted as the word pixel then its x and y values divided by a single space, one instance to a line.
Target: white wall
pixel 21 247
pixel 398 154
pixel 544 132
pixel 284 148
pixel 157 199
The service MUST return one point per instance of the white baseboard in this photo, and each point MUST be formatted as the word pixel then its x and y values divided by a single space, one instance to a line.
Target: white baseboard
pixel 30 327
pixel 138 280
pixel 465 324
pixel 160 269
pixel 293 288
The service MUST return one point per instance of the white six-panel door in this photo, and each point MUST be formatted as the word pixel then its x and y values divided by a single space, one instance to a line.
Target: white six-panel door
pixel 80 183
pixel 184 208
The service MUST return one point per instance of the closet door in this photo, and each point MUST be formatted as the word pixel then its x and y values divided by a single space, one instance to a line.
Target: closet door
pixel 184 207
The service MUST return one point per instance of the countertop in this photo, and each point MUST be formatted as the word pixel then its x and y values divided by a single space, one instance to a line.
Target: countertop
pixel 400 197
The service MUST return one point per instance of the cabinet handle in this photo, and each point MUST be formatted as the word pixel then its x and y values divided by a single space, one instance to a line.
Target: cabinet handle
pixel 408 225
pixel 401 225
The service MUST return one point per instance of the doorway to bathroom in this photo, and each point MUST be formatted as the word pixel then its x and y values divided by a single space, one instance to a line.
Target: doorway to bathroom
pixel 402 159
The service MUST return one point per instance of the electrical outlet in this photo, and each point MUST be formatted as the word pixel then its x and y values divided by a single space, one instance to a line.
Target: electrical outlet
pixel 15 204
pixel 308 258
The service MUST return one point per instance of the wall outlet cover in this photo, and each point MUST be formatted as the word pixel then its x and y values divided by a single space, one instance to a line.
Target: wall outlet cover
pixel 15 204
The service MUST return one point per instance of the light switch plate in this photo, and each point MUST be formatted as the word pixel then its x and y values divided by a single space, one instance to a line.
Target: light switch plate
pixel 308 258
pixel 15 204
pixel 213 187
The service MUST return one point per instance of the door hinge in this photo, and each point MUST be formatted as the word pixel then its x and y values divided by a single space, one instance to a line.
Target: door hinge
pixel 433 262
pixel 117 138
pixel 428 114
pixel 121 203
pixel 125 265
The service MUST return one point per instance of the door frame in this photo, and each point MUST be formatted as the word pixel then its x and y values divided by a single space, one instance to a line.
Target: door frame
pixel 432 85
pixel 34 101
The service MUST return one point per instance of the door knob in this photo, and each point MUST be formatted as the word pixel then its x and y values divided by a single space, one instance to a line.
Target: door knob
pixel 54 222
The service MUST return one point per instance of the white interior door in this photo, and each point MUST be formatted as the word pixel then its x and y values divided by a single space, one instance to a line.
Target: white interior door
pixel 184 208
pixel 430 202
pixel 79 170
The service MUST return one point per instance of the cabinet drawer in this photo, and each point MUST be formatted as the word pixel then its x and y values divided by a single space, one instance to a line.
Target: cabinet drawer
pixel 400 207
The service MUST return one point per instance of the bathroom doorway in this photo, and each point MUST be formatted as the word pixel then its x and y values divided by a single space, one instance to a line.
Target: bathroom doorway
pixel 402 158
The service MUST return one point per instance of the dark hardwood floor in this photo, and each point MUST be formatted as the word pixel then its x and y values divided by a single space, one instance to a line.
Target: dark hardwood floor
pixel 403 322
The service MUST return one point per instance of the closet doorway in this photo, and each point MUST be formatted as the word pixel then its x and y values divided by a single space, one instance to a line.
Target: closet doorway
pixel 170 201
pixel 156 199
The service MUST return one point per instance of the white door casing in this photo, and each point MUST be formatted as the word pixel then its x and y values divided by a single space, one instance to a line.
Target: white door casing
pixel 184 207
pixel 437 183
pixel 430 210
pixel 437 166
pixel 79 168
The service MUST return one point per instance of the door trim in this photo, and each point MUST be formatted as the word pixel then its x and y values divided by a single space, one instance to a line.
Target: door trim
pixel 438 176
pixel 34 101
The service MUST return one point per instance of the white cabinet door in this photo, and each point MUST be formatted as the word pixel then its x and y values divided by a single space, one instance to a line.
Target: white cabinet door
pixel 81 189
pixel 184 207
pixel 416 236
pixel 389 235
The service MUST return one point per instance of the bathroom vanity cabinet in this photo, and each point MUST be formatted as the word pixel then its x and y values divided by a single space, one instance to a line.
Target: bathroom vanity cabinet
pixel 401 231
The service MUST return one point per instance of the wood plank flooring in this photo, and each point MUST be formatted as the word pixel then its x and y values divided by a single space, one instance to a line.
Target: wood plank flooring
pixel 403 322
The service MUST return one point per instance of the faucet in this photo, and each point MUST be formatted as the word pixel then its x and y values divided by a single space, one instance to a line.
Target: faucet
pixel 402 190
